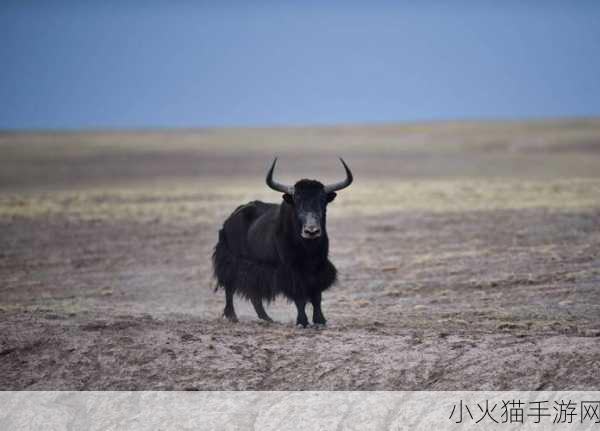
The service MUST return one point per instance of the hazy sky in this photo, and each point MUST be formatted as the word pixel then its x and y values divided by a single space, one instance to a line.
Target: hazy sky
pixel 138 64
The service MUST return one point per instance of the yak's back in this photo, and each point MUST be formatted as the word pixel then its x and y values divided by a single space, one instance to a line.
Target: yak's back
pixel 251 211
pixel 238 224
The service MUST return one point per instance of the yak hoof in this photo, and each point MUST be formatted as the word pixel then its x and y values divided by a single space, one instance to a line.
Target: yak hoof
pixel 231 317
pixel 303 322
pixel 320 322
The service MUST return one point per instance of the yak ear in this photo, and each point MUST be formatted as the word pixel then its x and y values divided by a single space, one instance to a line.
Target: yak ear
pixel 288 198
pixel 331 196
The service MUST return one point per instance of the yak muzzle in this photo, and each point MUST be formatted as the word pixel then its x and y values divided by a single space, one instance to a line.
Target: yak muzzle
pixel 311 232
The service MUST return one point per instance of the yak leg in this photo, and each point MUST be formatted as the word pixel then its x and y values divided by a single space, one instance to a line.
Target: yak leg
pixel 318 318
pixel 302 319
pixel 260 311
pixel 229 311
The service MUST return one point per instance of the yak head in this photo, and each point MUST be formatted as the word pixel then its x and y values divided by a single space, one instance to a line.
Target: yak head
pixel 309 199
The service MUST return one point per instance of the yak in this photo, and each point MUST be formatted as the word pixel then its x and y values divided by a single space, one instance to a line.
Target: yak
pixel 266 249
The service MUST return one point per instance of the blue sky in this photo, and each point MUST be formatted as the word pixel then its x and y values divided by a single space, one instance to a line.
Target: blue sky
pixel 181 64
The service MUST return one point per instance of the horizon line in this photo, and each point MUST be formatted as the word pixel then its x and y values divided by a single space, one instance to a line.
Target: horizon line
pixel 299 125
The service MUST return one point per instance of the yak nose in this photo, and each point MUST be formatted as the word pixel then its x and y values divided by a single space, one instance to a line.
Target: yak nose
pixel 311 232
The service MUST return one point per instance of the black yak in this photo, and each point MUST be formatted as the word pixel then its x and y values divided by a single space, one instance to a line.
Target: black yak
pixel 267 249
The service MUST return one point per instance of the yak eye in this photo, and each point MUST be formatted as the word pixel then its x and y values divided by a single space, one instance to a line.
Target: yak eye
pixel 288 198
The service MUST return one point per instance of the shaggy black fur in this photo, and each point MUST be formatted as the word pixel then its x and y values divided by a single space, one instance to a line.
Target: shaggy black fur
pixel 261 252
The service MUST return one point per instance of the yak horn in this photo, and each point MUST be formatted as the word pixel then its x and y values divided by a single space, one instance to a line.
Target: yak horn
pixel 342 184
pixel 275 185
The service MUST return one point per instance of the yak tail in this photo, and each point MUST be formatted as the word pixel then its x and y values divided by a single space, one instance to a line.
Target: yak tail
pixel 223 263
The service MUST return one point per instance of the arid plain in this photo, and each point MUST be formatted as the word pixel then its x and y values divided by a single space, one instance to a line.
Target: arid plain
pixel 468 258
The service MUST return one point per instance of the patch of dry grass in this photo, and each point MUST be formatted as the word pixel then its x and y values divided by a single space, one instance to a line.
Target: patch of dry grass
pixel 184 203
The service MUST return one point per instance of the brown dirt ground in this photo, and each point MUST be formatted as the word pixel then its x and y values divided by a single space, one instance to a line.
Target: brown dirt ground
pixel 468 253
